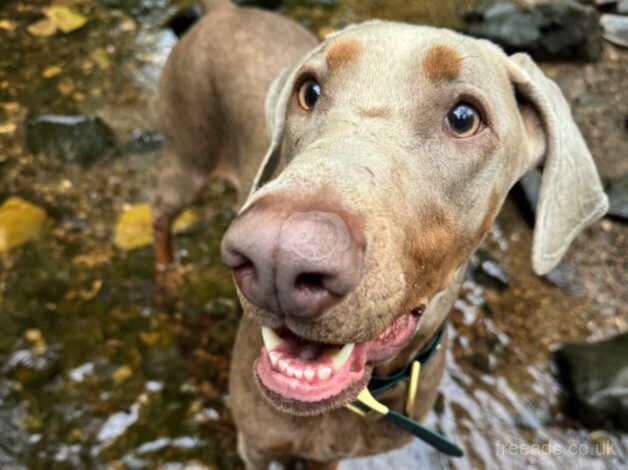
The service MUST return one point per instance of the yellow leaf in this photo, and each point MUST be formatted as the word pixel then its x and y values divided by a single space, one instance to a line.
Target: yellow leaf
pixel 34 335
pixel 52 71
pixel 134 228
pixel 121 374
pixel 149 338
pixel 7 127
pixel 100 56
pixel 20 222
pixel 66 19
pixel 7 25
pixel 42 28
pixel 65 86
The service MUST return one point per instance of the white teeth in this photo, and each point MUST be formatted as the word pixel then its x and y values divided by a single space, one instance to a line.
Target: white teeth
pixel 283 365
pixel 309 374
pixel 339 358
pixel 271 339
pixel 274 358
pixel 298 373
pixel 291 371
pixel 324 373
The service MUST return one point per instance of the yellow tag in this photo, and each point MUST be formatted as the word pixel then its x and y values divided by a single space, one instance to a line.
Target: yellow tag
pixel 413 386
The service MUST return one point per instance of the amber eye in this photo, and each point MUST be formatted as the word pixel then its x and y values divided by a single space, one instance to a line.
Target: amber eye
pixel 464 120
pixel 308 94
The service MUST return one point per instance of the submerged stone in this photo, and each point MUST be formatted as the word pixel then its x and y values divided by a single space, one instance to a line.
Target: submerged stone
pixel 20 222
pixel 135 226
pixel 618 197
pixel 486 271
pixel 561 30
pixel 615 29
pixel 595 379
pixel 75 139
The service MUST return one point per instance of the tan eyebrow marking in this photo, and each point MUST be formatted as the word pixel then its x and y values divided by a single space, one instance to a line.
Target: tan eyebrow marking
pixel 374 112
pixel 442 63
pixel 342 51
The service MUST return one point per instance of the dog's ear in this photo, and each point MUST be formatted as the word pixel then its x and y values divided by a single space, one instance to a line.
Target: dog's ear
pixel 571 194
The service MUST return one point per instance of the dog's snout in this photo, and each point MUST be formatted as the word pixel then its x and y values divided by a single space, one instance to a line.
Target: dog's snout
pixel 294 260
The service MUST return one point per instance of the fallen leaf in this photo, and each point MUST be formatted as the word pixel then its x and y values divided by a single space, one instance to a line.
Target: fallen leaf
pixel 93 259
pixel 7 127
pixel 42 28
pixel 66 19
pixel 127 25
pixel 20 222
pixel 11 107
pixel 65 86
pixel 52 71
pixel 149 338
pixel 134 228
pixel 35 337
pixel 121 374
pixel 100 56
pixel 90 293
pixel 7 25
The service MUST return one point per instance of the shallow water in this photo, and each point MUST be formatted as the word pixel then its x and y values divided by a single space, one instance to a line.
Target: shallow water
pixel 94 375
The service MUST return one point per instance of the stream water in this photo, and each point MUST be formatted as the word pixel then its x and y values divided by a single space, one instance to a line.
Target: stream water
pixel 94 375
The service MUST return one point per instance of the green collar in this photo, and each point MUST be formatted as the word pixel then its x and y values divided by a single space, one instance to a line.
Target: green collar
pixel 366 405
pixel 381 383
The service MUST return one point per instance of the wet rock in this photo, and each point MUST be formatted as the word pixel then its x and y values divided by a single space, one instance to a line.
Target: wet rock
pixel 486 271
pixel 595 379
pixel 183 20
pixel 143 141
pixel 561 278
pixel 618 197
pixel 135 226
pixel 615 29
pixel 267 4
pixel 547 31
pixel 525 194
pixel 75 139
pixel 20 222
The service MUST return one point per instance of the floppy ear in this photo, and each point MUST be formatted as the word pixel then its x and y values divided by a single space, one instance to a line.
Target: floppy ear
pixel 277 100
pixel 571 195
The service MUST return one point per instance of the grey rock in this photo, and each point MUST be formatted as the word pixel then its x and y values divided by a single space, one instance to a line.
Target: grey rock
pixel 615 29
pixel 183 19
pixel 74 139
pixel 595 379
pixel 618 197
pixel 622 7
pixel 560 30
pixel 486 271
pixel 143 141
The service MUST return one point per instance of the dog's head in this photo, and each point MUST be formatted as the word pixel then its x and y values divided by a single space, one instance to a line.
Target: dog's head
pixel 393 148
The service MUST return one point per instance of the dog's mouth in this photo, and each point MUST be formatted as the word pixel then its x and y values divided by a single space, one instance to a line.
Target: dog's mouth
pixel 306 377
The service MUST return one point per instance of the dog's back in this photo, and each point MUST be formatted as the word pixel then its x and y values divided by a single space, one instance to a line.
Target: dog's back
pixel 214 85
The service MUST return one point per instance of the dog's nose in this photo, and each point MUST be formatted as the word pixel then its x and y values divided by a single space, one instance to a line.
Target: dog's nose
pixel 291 260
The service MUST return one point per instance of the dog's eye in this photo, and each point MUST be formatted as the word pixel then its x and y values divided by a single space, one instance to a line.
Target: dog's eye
pixel 464 120
pixel 308 94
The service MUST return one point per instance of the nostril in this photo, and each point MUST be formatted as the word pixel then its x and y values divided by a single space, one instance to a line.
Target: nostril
pixel 244 271
pixel 309 281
